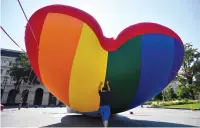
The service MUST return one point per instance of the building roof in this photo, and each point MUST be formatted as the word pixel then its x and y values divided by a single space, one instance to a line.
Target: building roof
pixel 10 53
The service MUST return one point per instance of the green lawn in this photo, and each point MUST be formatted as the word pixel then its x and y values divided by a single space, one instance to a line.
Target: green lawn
pixel 189 106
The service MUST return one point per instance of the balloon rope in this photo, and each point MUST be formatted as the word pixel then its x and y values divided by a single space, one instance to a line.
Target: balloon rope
pixel 11 38
pixel 30 83
pixel 20 48
pixel 14 43
pixel 28 22
pixel 30 74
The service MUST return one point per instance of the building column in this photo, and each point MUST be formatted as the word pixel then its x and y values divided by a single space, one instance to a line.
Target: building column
pixel 17 98
pixel 57 101
pixel 31 97
pixel 69 110
pixel 4 98
pixel 45 98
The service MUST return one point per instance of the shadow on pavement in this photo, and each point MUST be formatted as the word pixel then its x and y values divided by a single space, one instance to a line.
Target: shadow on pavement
pixel 115 121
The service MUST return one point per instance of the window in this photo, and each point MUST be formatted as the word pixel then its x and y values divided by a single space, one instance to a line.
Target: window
pixel 3 62
pixel 12 80
pixel 5 80
pixel 7 62
pixel 8 72
pixel 1 71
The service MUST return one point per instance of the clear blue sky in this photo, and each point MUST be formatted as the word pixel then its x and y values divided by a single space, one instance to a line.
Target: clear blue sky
pixel 182 16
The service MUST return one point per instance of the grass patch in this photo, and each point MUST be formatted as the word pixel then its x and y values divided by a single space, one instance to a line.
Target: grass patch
pixel 187 106
pixel 174 103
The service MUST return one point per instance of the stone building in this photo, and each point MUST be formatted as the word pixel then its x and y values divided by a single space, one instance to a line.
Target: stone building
pixel 33 95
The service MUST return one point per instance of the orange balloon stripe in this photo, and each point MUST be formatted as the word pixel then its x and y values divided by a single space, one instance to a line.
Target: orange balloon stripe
pixel 58 43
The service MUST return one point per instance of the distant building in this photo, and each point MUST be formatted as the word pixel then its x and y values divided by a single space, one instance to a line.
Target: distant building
pixel 36 95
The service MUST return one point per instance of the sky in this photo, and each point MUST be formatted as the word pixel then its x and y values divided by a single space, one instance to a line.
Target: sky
pixel 182 16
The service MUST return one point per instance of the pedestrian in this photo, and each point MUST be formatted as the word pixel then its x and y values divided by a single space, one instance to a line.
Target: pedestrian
pixel 20 103
pixel 105 101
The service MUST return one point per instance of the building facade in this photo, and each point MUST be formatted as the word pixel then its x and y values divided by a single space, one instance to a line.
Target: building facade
pixel 33 94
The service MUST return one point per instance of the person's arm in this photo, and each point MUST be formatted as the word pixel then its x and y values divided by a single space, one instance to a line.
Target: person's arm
pixel 99 89
pixel 108 86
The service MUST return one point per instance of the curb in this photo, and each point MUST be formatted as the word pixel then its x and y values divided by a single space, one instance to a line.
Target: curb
pixel 174 108
pixel 34 106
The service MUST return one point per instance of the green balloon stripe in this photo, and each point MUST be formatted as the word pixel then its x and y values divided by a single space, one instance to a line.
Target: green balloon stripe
pixel 123 72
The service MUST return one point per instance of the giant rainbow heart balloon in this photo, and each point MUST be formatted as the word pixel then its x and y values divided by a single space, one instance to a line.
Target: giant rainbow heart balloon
pixel 70 55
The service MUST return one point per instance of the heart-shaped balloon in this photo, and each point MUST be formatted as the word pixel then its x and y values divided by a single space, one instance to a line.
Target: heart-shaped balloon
pixel 71 56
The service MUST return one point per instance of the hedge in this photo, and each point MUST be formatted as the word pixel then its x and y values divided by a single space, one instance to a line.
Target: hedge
pixel 176 102
pixel 148 103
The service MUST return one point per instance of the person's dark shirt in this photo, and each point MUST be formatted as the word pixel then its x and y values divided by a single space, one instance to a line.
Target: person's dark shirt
pixel 105 98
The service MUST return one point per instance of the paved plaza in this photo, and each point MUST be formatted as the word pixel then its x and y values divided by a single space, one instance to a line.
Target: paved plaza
pixel 57 117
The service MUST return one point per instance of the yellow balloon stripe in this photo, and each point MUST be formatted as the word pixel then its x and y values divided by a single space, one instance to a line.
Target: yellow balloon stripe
pixel 88 69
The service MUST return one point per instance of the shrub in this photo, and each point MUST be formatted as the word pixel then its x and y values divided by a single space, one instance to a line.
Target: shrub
pixel 148 103
pixel 176 102
pixel 155 104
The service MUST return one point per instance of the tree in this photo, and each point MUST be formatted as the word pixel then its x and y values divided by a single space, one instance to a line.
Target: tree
pixel 22 72
pixel 196 68
pixel 182 92
pixel 197 83
pixel 193 91
pixel 189 70
pixel 169 93
pixel 194 88
pixel 159 96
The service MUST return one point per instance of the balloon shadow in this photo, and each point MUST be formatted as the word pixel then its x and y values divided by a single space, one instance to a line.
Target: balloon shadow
pixel 115 121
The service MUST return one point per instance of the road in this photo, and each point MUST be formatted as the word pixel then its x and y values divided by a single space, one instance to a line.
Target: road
pixel 57 117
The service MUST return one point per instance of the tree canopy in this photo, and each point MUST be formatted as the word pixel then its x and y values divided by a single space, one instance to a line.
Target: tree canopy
pixel 21 72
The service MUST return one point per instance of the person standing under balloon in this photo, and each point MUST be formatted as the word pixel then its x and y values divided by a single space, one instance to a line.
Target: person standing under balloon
pixel 105 100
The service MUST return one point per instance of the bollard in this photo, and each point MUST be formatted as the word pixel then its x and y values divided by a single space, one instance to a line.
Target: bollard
pixel 131 112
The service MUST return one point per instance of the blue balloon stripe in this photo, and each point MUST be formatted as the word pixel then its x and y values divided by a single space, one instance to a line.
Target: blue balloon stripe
pixel 157 56
pixel 178 58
